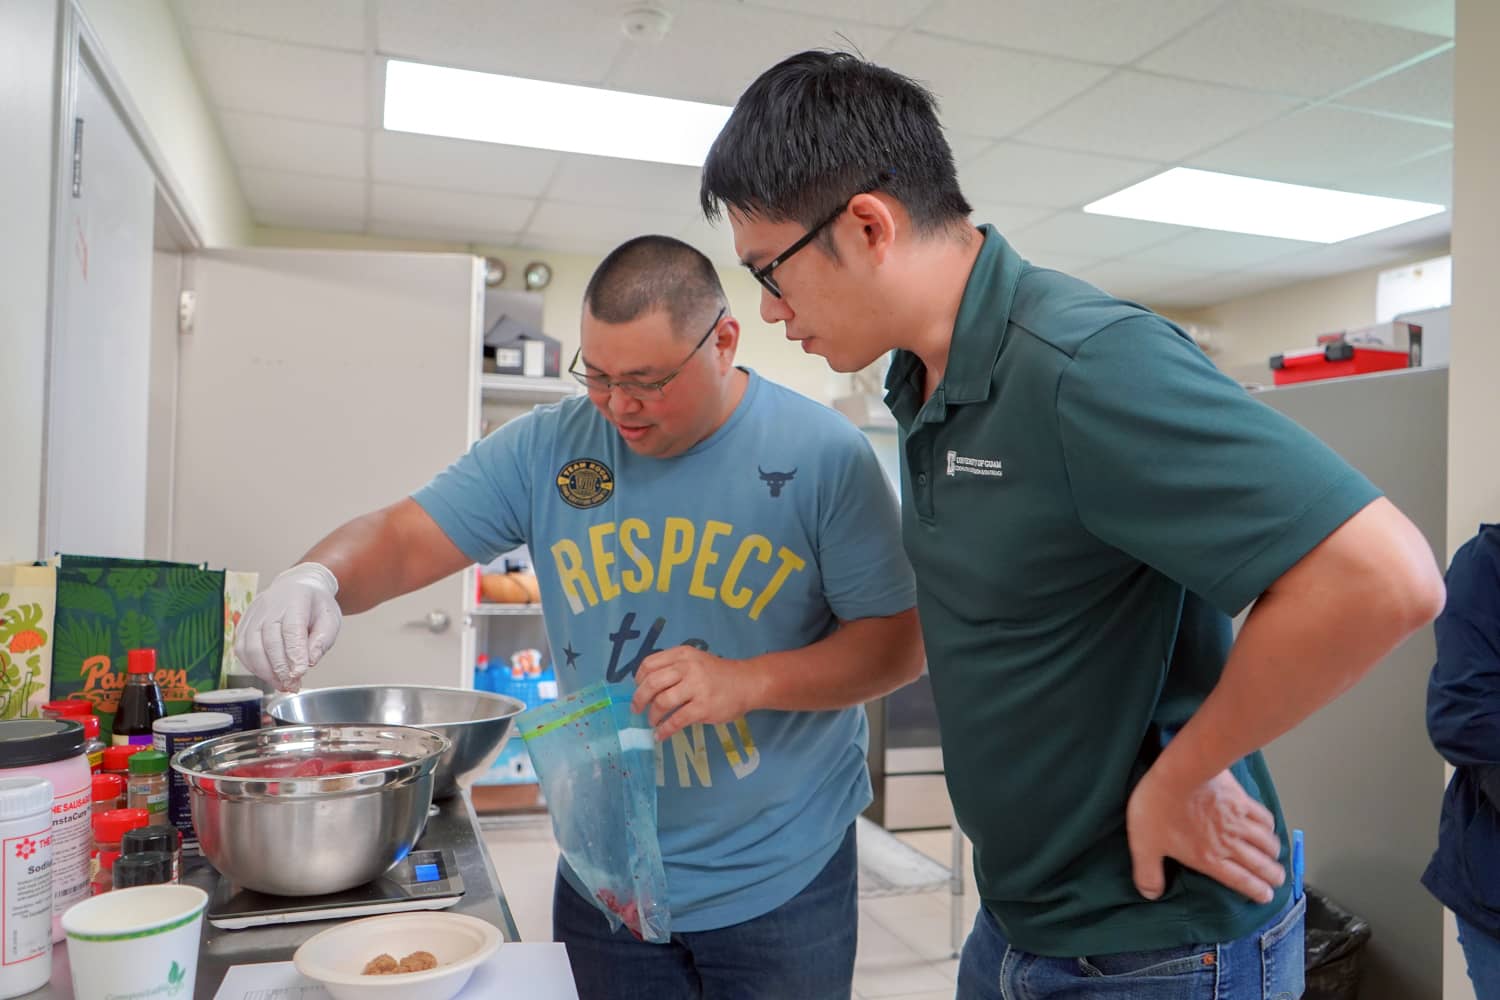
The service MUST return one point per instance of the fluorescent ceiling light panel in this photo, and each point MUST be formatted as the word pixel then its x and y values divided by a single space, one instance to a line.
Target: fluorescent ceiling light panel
pixel 1209 200
pixel 488 107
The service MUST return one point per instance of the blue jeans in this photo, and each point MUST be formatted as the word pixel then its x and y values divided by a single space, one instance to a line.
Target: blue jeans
pixel 1265 965
pixel 1482 955
pixel 802 950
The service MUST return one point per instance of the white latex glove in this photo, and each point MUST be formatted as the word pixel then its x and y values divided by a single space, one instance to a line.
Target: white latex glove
pixel 290 626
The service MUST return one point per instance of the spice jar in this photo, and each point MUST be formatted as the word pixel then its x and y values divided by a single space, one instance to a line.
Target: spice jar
pixel 109 828
pixel 108 793
pixel 147 786
pixel 65 708
pixel 117 760
pixel 161 837
pixel 93 746
pixel 146 868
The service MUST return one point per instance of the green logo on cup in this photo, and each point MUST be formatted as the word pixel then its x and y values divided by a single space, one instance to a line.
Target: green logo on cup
pixel 174 979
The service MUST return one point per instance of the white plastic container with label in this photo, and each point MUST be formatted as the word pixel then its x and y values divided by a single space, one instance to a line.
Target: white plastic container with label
pixel 25 885
pixel 53 749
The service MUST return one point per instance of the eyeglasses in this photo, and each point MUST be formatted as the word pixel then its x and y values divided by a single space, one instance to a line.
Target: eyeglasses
pixel 763 274
pixel 645 391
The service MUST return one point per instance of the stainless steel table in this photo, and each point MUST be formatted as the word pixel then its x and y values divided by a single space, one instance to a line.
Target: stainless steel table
pixel 454 826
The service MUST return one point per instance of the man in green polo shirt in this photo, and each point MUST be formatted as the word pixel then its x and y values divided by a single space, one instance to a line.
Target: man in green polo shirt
pixel 1087 502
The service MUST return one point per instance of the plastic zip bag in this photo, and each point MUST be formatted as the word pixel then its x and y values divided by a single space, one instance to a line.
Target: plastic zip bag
pixel 596 761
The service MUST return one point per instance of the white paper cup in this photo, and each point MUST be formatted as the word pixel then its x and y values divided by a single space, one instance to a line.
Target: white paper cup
pixel 136 944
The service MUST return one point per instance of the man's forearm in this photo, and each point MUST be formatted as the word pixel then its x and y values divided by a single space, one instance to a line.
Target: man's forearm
pixel 863 660
pixel 385 553
pixel 1320 629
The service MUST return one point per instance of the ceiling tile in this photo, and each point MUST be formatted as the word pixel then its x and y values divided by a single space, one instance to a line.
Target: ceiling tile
pixel 593 225
pixel 986 91
pixel 293 81
pixel 280 198
pixel 482 167
pixel 1135 281
pixel 1424 90
pixel 698 62
pixel 1007 218
pixel 1321 146
pixel 1171 118
pixel 1435 17
pixel 568 41
pixel 1067 263
pixel 1212 250
pixel 333 24
pixel 1429 179
pixel 594 244
pixel 604 180
pixel 1017 174
pixel 1268 46
pixel 890 13
pixel 1115 32
pixel 287 144
pixel 1092 235
pixel 451 210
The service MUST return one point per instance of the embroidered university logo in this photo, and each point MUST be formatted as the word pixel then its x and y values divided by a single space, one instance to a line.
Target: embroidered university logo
pixel 776 480
pixel 585 483
pixel 973 466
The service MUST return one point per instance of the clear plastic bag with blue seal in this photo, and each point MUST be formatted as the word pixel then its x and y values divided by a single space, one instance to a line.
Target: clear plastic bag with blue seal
pixel 596 762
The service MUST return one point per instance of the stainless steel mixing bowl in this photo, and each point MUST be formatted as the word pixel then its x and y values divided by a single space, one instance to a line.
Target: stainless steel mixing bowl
pixel 478 722
pixel 311 835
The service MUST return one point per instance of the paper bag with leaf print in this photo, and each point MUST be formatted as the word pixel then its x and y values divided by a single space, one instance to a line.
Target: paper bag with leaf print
pixel 239 591
pixel 107 607
pixel 28 596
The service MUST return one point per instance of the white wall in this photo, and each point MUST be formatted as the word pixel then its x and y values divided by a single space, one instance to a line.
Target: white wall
pixel 141 41
pixel 28 46
pixel 762 347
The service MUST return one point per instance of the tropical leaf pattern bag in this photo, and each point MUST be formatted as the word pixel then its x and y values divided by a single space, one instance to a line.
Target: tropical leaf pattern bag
pixel 28 597
pixel 106 607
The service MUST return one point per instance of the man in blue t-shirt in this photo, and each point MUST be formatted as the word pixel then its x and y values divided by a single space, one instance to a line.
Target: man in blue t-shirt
pixel 733 546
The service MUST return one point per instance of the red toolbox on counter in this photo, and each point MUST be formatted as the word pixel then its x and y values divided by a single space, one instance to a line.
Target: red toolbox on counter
pixel 1334 361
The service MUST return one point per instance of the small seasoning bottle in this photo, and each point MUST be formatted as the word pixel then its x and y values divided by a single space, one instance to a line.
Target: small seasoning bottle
pixel 93 746
pixel 116 760
pixel 109 827
pixel 108 792
pixel 147 785
pixel 67 708
pixel 146 868
pixel 140 702
pixel 159 838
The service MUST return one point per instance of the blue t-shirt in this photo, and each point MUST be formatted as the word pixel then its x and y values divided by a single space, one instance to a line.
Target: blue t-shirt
pixel 758 539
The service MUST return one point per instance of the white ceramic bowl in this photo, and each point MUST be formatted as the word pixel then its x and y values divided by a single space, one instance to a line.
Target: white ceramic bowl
pixel 336 957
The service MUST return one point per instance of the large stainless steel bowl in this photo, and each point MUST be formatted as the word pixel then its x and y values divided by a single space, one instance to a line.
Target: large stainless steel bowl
pixel 478 722
pixel 312 835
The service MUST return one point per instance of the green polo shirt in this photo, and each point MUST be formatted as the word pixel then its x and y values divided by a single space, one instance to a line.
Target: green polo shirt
pixel 1087 502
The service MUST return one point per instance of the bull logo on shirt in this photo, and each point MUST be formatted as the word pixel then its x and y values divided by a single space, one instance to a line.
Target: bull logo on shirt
pixel 776 480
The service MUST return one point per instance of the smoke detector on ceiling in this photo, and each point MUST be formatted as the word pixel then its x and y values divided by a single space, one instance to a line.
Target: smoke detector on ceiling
pixel 646 23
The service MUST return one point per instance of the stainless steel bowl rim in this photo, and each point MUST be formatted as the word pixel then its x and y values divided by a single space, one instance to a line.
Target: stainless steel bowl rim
pixel 513 706
pixel 259 744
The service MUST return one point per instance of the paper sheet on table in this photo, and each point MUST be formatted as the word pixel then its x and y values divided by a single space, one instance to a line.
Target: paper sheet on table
pixel 541 969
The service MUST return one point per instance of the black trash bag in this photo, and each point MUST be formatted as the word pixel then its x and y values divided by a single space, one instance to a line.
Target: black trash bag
pixel 1334 949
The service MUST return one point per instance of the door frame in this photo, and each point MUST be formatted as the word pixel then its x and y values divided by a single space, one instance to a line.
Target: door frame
pixel 177 224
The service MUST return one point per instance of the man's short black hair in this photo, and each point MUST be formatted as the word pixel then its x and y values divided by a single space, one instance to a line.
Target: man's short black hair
pixel 656 272
pixel 820 127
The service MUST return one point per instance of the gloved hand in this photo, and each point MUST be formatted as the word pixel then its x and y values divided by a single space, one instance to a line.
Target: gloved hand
pixel 290 625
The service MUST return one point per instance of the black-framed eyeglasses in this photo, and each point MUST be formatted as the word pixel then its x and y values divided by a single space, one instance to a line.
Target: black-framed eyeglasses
pixel 763 274
pixel 645 391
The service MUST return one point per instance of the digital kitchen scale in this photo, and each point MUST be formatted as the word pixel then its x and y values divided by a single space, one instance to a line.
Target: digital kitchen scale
pixel 424 880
